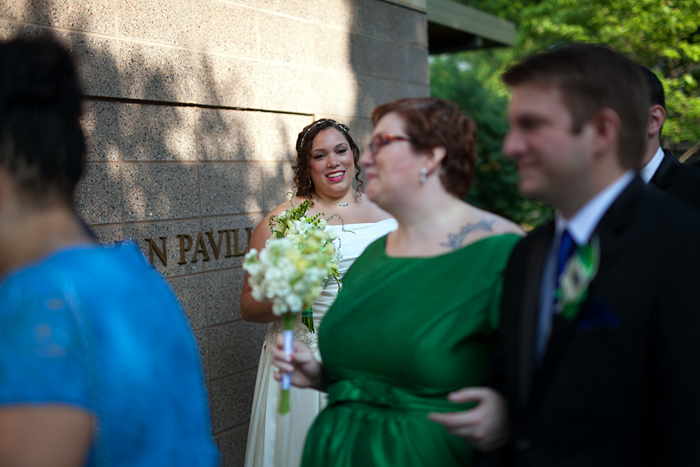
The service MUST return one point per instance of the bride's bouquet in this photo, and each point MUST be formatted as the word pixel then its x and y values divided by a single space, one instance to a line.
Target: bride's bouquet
pixel 291 270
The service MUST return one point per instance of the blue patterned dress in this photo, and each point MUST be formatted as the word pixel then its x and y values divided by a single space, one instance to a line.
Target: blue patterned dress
pixel 97 328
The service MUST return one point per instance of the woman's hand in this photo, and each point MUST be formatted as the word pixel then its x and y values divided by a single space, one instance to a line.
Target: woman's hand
pixel 485 426
pixel 306 371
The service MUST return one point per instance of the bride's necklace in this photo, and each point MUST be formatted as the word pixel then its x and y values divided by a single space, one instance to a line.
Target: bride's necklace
pixel 340 205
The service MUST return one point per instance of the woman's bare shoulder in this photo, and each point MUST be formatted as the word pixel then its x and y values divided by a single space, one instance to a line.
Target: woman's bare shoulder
pixel 296 201
pixel 373 212
pixel 501 225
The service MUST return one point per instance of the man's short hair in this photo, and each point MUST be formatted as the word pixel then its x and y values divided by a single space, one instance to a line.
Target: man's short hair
pixel 41 141
pixel 592 77
pixel 656 89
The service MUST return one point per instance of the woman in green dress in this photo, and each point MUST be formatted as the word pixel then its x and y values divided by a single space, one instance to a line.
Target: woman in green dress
pixel 416 317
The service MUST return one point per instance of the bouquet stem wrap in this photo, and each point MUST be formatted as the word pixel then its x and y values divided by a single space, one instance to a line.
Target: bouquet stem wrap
pixel 307 318
pixel 289 320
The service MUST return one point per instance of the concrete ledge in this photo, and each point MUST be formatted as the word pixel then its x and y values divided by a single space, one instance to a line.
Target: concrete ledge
pixel 453 27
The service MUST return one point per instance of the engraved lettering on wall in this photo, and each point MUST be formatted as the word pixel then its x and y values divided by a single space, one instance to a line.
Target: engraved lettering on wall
pixel 207 246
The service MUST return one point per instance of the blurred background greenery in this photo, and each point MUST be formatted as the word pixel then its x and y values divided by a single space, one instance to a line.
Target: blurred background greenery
pixel 663 35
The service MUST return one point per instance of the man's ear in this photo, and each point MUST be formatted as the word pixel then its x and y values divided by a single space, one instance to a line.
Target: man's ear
pixel 606 125
pixel 657 117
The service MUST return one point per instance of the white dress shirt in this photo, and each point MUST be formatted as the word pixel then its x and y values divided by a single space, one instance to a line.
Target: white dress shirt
pixel 650 169
pixel 580 227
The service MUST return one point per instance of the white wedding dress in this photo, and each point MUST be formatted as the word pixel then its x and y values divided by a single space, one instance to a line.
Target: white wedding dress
pixel 275 440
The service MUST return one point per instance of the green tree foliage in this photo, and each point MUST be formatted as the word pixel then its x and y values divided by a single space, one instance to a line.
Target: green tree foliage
pixel 663 35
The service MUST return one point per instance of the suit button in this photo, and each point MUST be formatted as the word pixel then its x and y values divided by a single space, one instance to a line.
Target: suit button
pixel 522 444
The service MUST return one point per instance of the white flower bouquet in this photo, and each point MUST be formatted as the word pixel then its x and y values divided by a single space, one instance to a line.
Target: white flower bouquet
pixel 291 270
pixel 293 223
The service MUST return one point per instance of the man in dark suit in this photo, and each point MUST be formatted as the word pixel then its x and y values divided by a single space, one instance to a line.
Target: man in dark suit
pixel 598 363
pixel 660 167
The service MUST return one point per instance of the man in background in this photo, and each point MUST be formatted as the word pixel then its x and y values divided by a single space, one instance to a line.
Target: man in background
pixel 660 167
pixel 97 363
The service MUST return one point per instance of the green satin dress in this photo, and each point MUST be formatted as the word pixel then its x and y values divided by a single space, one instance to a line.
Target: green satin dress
pixel 402 334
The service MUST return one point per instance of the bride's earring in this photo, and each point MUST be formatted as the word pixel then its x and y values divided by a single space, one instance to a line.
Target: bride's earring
pixel 423 175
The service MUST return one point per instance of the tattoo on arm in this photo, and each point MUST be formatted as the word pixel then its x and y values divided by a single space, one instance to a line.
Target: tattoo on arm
pixel 456 240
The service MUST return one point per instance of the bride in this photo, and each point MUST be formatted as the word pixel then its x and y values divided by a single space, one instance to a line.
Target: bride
pixel 327 159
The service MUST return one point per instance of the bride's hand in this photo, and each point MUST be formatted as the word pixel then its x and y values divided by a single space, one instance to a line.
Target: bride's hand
pixel 307 372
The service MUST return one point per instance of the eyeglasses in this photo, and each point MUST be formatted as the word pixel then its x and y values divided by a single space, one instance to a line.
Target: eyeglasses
pixel 382 139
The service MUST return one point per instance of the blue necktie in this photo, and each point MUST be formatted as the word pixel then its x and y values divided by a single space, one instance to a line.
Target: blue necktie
pixel 566 248
pixel 544 326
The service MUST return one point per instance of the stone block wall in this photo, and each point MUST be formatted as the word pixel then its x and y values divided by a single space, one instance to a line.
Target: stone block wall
pixel 192 110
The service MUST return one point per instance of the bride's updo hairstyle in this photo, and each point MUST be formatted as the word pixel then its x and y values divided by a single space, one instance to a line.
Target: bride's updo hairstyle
pixel 303 184
pixel 430 123
pixel 41 141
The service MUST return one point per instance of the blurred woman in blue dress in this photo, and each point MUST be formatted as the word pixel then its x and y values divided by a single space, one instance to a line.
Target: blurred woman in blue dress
pixel 98 366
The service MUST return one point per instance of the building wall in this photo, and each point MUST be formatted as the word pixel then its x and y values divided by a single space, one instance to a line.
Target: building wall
pixel 191 114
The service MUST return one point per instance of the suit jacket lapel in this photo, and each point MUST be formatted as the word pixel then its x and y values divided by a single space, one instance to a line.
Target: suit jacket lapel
pixel 608 232
pixel 616 219
pixel 529 311
pixel 664 174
